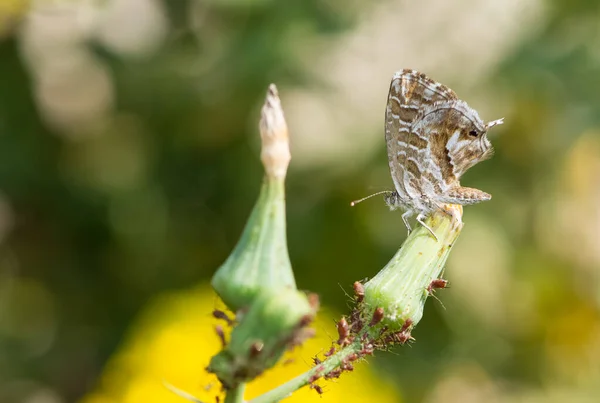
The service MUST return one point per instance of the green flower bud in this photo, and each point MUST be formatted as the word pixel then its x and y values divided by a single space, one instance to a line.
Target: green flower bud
pixel 276 321
pixel 260 260
pixel 394 299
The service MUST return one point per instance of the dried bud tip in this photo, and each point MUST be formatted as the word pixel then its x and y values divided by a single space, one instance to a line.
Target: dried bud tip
pixel 275 154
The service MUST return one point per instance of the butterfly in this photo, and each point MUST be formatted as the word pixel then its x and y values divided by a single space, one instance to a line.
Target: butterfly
pixel 432 139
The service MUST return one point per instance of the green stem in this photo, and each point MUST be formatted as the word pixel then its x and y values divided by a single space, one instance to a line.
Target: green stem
pixel 330 364
pixel 236 395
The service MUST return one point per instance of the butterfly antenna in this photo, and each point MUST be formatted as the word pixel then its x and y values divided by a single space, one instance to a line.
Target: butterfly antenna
pixel 355 202
pixel 495 123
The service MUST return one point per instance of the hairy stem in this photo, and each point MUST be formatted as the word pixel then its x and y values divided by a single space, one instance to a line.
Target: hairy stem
pixel 330 364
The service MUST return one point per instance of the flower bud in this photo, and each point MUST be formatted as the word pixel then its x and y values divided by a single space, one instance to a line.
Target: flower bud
pixel 403 285
pixel 276 321
pixel 260 260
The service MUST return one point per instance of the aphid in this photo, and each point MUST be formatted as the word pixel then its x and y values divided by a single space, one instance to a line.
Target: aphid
pixel 343 331
pixel 223 316
pixel 221 334
pixel 377 316
pixel 359 291
pixel 437 283
pixel 317 388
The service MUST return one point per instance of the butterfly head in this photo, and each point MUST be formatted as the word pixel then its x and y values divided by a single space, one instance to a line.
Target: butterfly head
pixel 467 142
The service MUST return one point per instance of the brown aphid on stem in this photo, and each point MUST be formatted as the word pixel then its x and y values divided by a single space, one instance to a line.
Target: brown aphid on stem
pixel 316 360
pixel 346 366
pixel 314 377
pixel 343 331
pixel 377 316
pixel 366 350
pixel 359 291
pixel 333 374
pixel 305 320
pixel 330 352
pixel 356 323
pixel 436 284
pixel 217 314
pixel 316 388
pixel 400 337
pixel 313 301
pixel 407 324
pixel 352 357
pixel 221 334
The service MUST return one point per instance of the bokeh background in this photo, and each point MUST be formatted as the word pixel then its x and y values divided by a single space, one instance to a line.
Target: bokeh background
pixel 129 163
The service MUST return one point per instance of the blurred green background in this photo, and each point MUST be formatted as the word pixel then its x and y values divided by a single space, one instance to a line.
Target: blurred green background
pixel 129 162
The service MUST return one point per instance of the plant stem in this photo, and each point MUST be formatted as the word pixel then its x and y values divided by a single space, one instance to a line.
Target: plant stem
pixel 400 290
pixel 330 364
pixel 236 395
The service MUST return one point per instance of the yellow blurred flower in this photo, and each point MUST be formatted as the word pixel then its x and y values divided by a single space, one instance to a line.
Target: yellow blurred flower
pixel 10 12
pixel 174 340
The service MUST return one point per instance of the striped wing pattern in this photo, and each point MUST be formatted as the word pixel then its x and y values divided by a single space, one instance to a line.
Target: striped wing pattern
pixel 416 175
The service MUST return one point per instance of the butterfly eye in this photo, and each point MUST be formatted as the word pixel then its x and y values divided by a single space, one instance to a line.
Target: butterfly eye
pixel 473 133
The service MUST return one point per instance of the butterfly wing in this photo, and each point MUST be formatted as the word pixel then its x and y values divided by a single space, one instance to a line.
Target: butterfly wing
pixel 409 150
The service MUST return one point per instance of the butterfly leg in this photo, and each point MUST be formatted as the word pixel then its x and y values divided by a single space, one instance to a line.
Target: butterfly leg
pixel 464 195
pixel 405 217
pixel 420 219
